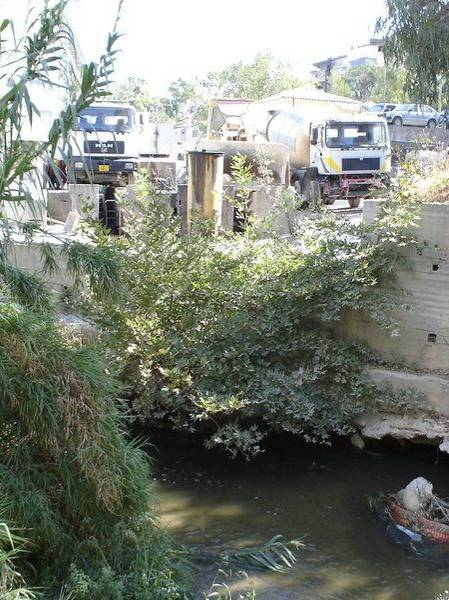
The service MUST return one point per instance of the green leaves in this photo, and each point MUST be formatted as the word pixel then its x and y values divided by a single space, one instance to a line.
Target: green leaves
pixel 97 265
pixel 274 555
pixel 25 288
pixel 371 82
pixel 262 77
pixel 11 549
pixel 68 473
pixel 416 37
pixel 235 336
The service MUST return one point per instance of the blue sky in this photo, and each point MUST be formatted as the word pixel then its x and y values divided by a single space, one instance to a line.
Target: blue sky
pixel 164 40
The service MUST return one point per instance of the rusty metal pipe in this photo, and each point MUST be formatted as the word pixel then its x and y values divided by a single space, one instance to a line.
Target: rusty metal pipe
pixel 205 184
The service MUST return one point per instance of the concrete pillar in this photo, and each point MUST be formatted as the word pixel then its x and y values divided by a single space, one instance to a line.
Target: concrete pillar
pixel 205 183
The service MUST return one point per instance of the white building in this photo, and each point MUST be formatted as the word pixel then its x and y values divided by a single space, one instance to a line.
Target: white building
pixel 358 56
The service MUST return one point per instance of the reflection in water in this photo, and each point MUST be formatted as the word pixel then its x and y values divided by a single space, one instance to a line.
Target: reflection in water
pixel 320 493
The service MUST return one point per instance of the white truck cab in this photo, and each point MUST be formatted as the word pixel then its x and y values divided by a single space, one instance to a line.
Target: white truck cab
pixel 350 155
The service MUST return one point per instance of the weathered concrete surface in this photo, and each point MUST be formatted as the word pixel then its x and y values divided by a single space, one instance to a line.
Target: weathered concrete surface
pixel 433 388
pixel 227 207
pixel 85 199
pixel 429 426
pixel 59 204
pixel 82 198
pixel 28 258
pixel 261 204
pixel 423 288
pixel 422 343
pixel 432 221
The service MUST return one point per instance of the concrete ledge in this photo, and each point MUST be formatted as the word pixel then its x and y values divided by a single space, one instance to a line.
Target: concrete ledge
pixel 423 135
pixel 425 429
pixel 25 212
pixel 432 221
pixel 59 204
pixel 28 258
pixel 83 198
pixel 429 426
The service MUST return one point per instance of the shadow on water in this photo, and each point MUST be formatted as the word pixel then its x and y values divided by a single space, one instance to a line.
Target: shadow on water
pixel 302 491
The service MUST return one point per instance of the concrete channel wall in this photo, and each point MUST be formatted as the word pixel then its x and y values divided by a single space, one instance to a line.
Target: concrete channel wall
pixel 28 257
pixel 83 199
pixel 420 350
pixel 423 281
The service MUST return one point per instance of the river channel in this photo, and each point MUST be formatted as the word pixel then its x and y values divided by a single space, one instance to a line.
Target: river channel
pixel 302 491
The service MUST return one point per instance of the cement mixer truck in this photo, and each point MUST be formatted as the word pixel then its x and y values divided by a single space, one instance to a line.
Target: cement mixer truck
pixel 338 157
pixel 333 149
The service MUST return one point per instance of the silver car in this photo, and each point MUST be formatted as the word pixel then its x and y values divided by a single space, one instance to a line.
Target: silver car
pixel 382 108
pixel 418 115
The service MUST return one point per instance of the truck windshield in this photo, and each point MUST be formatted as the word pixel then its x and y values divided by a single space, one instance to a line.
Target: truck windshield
pixel 105 118
pixel 355 135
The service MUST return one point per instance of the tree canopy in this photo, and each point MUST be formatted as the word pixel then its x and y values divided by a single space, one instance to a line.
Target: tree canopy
pixel 136 91
pixel 264 76
pixel 416 34
pixel 371 82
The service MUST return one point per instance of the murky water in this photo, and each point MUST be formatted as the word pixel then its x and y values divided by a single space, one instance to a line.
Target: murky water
pixel 319 493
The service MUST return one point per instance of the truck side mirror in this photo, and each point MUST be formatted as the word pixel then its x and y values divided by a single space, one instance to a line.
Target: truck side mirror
pixel 314 136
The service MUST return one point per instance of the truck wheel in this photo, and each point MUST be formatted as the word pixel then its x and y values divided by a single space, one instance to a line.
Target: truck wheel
pixel 432 124
pixel 354 202
pixel 397 121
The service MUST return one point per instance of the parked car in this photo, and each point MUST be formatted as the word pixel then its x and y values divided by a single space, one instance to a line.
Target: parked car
pixel 381 108
pixel 418 115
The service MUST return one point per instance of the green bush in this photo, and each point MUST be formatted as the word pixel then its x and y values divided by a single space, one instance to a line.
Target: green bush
pixel 68 474
pixel 234 334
